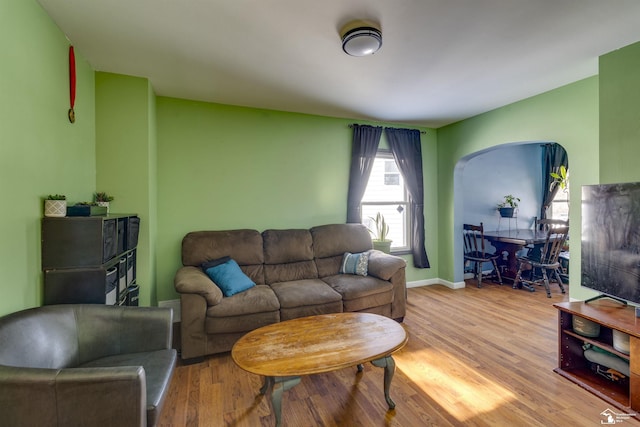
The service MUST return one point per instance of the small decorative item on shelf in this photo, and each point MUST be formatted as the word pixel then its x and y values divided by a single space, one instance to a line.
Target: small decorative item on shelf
pixel 509 205
pixel 86 209
pixel 55 205
pixel 103 199
pixel 380 241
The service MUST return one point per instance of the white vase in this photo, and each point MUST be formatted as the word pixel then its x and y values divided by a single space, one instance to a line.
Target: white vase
pixel 55 208
pixel 382 245
pixel 105 204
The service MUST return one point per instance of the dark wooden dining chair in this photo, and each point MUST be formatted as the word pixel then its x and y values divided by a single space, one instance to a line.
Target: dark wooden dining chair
pixel 546 223
pixel 545 261
pixel 475 251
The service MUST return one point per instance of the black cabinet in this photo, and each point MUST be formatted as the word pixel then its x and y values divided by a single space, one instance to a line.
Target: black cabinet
pixel 89 259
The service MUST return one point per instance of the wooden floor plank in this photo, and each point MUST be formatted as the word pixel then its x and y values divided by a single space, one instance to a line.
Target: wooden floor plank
pixel 475 357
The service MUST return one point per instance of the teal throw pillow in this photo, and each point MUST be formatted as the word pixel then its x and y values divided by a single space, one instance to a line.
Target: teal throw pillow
pixel 355 264
pixel 229 278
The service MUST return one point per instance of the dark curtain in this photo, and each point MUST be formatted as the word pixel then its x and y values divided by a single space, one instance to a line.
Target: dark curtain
pixel 407 151
pixel 553 156
pixel 363 153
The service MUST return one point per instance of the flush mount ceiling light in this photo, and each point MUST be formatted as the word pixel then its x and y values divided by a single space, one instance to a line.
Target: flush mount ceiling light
pixel 362 41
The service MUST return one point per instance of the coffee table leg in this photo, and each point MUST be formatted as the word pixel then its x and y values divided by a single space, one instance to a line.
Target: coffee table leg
pixel 280 384
pixel 268 381
pixel 389 366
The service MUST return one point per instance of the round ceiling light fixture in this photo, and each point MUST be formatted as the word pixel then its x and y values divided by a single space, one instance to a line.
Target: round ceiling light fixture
pixel 362 41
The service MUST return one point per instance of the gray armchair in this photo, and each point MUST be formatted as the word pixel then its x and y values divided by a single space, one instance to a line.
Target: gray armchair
pixel 85 365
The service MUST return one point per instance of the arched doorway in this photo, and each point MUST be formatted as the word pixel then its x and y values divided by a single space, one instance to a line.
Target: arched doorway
pixel 482 179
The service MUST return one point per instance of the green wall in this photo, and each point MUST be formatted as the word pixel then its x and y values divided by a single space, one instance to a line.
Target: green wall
pixel 567 115
pixel 186 165
pixel 40 151
pixel 224 167
pixel 620 115
pixel 126 162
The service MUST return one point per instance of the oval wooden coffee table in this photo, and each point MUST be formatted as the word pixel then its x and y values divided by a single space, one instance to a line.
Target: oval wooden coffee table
pixel 284 351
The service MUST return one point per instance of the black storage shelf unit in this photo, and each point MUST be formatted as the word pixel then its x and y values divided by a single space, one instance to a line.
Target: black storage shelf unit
pixel 89 259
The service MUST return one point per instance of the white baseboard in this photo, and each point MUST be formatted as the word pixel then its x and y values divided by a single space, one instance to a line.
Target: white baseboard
pixel 429 282
pixel 172 303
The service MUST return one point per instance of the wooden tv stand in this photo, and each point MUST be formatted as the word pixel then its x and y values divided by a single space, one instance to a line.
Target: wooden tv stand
pixel 575 367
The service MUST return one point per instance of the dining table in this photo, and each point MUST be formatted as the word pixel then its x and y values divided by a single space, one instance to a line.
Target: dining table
pixel 511 241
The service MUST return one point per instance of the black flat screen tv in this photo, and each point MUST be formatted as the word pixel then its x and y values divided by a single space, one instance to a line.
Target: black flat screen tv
pixel 611 240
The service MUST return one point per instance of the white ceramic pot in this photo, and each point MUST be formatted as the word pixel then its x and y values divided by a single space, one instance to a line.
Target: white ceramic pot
pixel 56 208
pixel 382 245
pixel 105 204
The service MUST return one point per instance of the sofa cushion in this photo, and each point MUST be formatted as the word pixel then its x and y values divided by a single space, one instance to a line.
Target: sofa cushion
pixel 244 246
pixel 359 293
pixel 355 263
pixel 304 292
pixel 287 246
pixel 290 272
pixel 306 298
pixel 229 278
pixel 336 239
pixel 158 366
pixel 330 242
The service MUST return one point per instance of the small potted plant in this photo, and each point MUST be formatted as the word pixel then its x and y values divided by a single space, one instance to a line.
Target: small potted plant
pixel 103 199
pixel 508 206
pixel 561 178
pixel 55 205
pixel 380 240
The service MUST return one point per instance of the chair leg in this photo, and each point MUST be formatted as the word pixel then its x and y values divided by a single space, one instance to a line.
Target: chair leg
pixel 497 270
pixel 523 283
pixel 559 279
pixel 546 282
pixel 518 278
pixel 479 273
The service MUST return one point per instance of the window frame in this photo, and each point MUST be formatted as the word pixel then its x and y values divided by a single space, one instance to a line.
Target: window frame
pixel 385 155
pixel 557 200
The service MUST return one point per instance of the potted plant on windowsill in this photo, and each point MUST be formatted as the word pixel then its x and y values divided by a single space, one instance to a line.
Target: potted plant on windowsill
pixel 508 206
pixel 55 205
pixel 103 199
pixel 380 240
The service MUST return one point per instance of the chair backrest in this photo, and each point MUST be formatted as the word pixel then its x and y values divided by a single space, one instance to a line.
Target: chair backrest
pixel 546 224
pixel 556 237
pixel 473 239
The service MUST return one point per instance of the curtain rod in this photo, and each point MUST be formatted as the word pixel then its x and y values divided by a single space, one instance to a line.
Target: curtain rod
pixel 422 132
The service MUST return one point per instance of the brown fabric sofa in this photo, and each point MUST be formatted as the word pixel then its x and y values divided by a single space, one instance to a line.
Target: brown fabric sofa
pixel 296 273
pixel 85 365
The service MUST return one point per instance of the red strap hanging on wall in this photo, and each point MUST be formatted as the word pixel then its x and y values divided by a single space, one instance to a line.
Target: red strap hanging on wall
pixel 72 84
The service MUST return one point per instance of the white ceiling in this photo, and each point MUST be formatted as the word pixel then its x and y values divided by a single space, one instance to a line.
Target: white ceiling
pixel 441 60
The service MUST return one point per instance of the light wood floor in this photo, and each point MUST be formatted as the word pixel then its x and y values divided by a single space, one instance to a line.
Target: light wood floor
pixel 475 357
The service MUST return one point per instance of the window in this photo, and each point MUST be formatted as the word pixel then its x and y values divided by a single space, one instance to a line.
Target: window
pixel 386 193
pixel 559 208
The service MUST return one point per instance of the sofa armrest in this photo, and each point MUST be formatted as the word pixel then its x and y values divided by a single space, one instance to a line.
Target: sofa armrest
pixel 73 397
pixel 192 280
pixel 193 314
pixel 384 266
